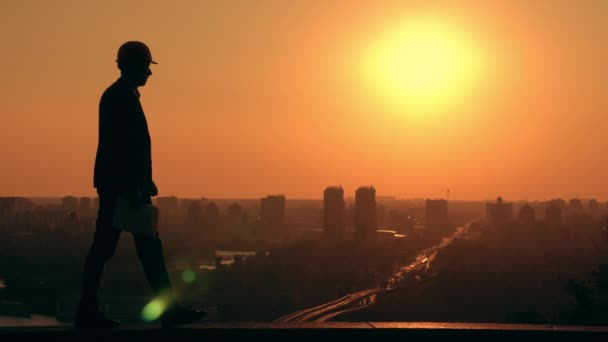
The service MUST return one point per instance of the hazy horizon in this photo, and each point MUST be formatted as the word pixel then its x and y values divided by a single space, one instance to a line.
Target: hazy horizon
pixel 379 198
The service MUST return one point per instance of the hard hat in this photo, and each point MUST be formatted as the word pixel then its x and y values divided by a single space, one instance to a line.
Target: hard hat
pixel 134 52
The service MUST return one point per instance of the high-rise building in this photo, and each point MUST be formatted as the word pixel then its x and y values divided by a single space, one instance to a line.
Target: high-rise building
pixel 272 218
pixel 526 215
pixel 333 212
pixel 553 213
pixel 575 207
pixel 366 220
pixel 499 213
pixel 235 211
pixel 436 214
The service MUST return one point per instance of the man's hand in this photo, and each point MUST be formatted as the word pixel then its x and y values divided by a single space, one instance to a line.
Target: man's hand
pixel 153 189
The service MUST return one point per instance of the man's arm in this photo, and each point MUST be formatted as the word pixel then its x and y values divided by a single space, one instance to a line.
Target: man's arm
pixel 117 113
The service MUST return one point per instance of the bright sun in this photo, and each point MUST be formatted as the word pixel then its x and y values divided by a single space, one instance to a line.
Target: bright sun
pixel 422 65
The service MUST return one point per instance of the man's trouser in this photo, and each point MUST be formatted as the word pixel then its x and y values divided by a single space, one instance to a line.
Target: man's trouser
pixel 149 250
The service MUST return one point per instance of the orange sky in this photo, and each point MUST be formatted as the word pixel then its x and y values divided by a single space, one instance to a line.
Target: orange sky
pixel 259 97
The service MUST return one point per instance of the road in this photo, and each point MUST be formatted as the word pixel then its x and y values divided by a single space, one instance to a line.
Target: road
pixel 361 299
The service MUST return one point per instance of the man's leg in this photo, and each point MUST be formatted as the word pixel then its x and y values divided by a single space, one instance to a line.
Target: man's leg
pixel 102 249
pixel 150 252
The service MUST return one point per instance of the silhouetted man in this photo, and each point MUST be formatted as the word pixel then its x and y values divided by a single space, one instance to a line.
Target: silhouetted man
pixel 123 167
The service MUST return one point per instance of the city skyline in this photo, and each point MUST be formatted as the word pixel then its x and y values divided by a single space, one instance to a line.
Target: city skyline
pixel 347 197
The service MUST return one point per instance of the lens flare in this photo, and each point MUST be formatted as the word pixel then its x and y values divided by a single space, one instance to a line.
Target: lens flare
pixel 153 310
pixel 188 276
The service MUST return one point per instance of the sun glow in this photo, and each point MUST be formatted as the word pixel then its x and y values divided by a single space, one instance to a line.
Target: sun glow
pixel 422 66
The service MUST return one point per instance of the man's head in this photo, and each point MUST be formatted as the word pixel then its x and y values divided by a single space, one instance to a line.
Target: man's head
pixel 134 59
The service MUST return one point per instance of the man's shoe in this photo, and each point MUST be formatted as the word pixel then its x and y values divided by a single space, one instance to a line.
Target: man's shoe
pixel 95 321
pixel 177 315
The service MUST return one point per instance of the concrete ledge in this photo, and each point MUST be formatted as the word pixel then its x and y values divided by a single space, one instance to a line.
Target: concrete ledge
pixel 247 331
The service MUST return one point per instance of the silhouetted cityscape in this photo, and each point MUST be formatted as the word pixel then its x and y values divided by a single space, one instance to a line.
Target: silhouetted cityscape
pixel 295 254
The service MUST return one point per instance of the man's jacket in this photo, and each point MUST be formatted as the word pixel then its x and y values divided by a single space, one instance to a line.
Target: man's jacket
pixel 124 159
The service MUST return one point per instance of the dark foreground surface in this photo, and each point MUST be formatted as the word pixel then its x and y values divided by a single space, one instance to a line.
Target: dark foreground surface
pixel 338 331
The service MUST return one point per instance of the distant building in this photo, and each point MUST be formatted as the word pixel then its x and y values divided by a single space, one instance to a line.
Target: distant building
pixel 69 204
pixel 185 205
pixel 18 204
pixel 237 223
pixel 272 218
pixel 7 212
pixel 365 213
pixel 51 219
pixel 400 222
pixel 13 211
pixel 95 205
pixel 575 207
pixel 499 213
pixel 333 212
pixel 213 212
pixel 553 213
pixel 235 211
pixel 168 208
pixel 71 223
pixel 304 216
pixel 195 213
pixel 380 215
pixel 85 208
pixel 212 221
pixel 436 214
pixel 527 215
pixel 581 226
pixel 594 208
pixel 560 203
pixel 386 199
